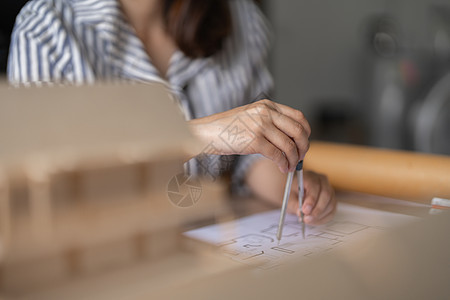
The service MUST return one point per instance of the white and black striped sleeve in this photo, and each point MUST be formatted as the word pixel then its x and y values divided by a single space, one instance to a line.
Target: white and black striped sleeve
pixel 40 47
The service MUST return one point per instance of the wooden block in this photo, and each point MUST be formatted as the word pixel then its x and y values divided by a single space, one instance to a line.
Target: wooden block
pixel 65 191
pixel 161 172
pixel 162 243
pixel 40 208
pixel 21 277
pixel 109 184
pixel 107 256
pixel 5 215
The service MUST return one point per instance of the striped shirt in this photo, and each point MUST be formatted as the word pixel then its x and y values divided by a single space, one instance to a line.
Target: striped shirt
pixel 82 41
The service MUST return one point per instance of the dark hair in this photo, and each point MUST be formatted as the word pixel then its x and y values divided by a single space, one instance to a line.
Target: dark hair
pixel 199 27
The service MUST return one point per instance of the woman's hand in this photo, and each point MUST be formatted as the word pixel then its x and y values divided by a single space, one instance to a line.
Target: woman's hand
pixel 276 131
pixel 319 203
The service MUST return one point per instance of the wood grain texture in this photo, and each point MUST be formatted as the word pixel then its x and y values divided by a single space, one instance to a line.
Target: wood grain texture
pixel 398 174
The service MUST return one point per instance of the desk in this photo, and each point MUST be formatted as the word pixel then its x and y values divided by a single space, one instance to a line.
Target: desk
pixel 408 262
pixel 184 274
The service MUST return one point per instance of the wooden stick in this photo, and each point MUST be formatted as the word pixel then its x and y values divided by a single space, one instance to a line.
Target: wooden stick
pixel 398 174
pixel 40 202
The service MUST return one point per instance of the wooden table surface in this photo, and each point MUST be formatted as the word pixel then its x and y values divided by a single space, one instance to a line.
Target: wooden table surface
pixel 159 277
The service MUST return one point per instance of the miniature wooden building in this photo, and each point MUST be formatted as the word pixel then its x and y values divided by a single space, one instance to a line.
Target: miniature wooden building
pixel 83 180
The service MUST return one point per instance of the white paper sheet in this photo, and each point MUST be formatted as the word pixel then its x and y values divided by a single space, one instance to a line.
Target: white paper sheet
pixel 252 240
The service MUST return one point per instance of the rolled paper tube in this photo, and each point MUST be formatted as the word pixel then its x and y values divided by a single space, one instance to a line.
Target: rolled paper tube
pixel 391 173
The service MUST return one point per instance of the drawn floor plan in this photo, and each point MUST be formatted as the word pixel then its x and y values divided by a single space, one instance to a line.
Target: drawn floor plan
pixel 252 240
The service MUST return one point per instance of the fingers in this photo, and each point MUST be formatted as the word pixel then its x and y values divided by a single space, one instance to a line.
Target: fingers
pixel 273 153
pixel 295 115
pixel 284 144
pixel 291 123
pixel 323 220
pixel 319 203
pixel 294 131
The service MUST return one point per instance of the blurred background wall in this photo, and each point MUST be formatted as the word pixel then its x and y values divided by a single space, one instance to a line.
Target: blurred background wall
pixel 363 71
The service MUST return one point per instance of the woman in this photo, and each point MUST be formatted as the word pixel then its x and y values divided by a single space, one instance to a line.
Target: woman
pixel 212 54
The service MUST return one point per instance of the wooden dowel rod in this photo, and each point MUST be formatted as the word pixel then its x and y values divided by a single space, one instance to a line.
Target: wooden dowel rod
pixel 398 174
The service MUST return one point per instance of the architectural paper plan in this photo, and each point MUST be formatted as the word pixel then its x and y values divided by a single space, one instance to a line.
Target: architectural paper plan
pixel 252 240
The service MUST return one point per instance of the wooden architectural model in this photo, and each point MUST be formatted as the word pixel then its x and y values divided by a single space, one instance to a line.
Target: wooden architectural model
pixel 83 181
